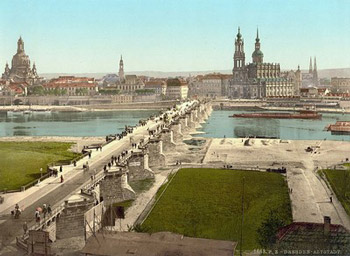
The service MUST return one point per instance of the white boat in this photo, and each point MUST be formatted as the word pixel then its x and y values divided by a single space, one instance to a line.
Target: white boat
pixel 15 112
pixel 27 112
pixel 41 111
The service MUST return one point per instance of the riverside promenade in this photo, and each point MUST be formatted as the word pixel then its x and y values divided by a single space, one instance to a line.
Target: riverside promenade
pixel 52 191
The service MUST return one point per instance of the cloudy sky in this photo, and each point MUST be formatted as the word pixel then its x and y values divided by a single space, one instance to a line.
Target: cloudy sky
pixel 79 36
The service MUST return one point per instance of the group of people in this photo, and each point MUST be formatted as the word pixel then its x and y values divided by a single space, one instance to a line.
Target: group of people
pixel 45 210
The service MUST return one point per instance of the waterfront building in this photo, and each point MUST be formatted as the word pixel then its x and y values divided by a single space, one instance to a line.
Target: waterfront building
pixel 257 79
pixel 72 86
pixel 211 85
pixel 340 85
pixel 295 78
pixel 176 89
pixel 157 85
pixel 21 70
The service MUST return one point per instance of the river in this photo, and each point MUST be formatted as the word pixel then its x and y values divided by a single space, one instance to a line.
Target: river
pixel 220 125
pixel 98 123
pixel 101 123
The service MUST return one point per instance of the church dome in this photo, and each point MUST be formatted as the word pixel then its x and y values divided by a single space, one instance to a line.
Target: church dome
pixel 257 53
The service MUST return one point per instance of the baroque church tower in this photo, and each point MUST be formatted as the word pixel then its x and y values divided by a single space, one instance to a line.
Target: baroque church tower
pixel 121 69
pixel 239 68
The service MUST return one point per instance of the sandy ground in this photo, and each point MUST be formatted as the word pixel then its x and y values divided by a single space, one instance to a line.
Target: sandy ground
pixel 310 196
pixel 80 142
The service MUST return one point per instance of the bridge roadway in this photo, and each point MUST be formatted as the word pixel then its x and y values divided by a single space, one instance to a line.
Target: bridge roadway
pixel 55 193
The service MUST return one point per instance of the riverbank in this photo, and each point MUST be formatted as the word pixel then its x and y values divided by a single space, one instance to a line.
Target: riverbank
pixel 79 142
pixel 137 106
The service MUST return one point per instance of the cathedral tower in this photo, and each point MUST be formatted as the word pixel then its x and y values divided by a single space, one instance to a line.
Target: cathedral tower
pixel 121 69
pixel 239 58
pixel 315 75
pixel 257 55
pixel 310 66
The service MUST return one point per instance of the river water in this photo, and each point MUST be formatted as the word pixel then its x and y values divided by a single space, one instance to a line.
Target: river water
pixel 102 123
pixel 220 125
pixel 99 123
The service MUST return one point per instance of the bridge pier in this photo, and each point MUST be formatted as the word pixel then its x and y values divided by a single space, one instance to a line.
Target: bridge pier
pixel 155 153
pixel 183 121
pixel 168 141
pixel 138 166
pixel 190 122
pixel 177 134
pixel 114 188
pixel 70 223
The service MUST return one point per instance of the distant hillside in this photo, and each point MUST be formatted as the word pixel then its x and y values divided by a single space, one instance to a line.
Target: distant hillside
pixel 323 73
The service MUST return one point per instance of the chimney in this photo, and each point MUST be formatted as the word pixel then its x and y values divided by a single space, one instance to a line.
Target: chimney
pixel 326 225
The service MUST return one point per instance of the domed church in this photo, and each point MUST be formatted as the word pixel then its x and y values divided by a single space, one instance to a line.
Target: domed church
pixel 257 79
pixel 21 70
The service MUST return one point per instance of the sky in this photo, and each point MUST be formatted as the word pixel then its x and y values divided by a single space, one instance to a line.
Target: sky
pixel 88 36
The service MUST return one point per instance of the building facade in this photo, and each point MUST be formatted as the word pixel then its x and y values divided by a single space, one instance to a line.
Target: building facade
pixel 21 70
pixel 72 86
pixel 211 85
pixel 257 79
pixel 177 89
pixel 340 85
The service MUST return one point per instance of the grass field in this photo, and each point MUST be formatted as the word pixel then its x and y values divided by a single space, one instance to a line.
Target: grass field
pixel 20 162
pixel 340 182
pixel 207 203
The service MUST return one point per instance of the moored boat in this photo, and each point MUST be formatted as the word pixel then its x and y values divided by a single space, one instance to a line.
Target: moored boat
pixel 304 114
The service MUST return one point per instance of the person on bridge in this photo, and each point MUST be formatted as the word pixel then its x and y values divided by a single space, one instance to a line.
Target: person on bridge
pixel 49 210
pixel 25 229
pixel 37 215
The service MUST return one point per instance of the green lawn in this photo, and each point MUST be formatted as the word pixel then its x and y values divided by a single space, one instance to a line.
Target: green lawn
pixel 339 180
pixel 20 162
pixel 207 203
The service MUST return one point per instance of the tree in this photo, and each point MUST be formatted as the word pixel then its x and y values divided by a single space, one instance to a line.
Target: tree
pixel 267 232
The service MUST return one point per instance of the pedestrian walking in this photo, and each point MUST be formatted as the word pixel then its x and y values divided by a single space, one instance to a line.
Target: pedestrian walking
pixel 75 163
pixel 62 179
pixel 37 215
pixel 44 210
pixel 90 154
pixel 49 210
pixel 61 168
pixel 25 228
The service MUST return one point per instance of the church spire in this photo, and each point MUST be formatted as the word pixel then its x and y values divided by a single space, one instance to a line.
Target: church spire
pixel 121 68
pixel 257 35
pixel 310 66
pixel 315 66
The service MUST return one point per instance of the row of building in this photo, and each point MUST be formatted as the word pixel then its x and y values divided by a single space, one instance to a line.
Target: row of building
pixel 256 80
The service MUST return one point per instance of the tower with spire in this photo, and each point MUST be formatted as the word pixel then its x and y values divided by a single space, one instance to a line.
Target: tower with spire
pixel 314 74
pixel 310 66
pixel 239 69
pixel 257 55
pixel 121 69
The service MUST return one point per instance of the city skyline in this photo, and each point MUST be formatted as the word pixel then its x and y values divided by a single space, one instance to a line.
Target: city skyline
pixel 90 36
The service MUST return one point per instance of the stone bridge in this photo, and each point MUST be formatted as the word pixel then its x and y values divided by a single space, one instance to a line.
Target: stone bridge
pixel 111 183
